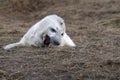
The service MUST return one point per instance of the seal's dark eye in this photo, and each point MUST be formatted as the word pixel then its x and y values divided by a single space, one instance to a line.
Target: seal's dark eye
pixel 62 34
pixel 61 23
pixel 53 30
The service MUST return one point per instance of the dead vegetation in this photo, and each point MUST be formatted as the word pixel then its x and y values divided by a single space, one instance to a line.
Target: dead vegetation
pixel 94 25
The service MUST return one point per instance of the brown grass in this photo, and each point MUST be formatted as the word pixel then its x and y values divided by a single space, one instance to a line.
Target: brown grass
pixel 94 25
pixel 28 5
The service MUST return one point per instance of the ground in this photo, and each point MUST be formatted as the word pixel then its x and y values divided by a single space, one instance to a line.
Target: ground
pixel 94 25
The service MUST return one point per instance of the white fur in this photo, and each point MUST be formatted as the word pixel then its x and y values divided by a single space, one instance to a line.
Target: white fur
pixel 34 36
pixel 66 40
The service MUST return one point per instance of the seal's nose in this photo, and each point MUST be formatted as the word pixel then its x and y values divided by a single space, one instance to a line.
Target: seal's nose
pixel 56 43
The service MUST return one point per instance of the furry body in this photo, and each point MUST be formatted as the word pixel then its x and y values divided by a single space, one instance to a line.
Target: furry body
pixel 53 26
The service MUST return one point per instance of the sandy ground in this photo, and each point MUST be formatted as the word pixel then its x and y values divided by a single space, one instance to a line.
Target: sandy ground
pixel 94 25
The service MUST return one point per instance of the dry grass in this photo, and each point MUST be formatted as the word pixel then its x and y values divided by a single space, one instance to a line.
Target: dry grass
pixel 94 25
pixel 26 6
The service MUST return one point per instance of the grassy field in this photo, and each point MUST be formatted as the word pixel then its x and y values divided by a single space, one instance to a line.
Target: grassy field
pixel 94 25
